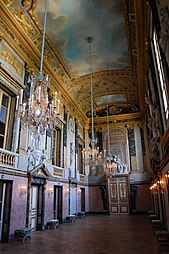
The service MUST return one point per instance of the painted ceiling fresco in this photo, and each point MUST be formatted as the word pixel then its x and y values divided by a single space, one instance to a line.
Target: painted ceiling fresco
pixel 70 22
pixel 114 55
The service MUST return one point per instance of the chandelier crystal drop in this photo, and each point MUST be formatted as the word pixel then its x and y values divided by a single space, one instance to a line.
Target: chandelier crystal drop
pixel 92 156
pixel 37 112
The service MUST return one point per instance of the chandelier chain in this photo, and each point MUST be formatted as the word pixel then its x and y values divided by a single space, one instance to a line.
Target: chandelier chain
pixel 43 37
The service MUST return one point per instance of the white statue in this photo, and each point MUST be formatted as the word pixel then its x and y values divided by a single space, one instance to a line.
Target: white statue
pixel 72 153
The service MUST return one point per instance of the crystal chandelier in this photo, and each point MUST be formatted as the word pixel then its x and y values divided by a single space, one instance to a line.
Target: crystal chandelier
pixel 38 113
pixel 110 164
pixel 92 156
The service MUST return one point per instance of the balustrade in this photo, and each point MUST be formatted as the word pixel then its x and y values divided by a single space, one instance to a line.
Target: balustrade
pixel 8 159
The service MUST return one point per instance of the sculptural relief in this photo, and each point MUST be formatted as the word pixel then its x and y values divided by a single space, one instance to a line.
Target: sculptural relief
pixel 164 22
pixel 11 59
pixel 24 21
pixel 154 137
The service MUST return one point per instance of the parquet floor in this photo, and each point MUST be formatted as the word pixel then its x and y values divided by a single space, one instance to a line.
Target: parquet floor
pixel 94 234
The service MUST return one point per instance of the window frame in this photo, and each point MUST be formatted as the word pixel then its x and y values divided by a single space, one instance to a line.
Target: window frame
pixel 56 146
pixel 161 75
pixel 6 122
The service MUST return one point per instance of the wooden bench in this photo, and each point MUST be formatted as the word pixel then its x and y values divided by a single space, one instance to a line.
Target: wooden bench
pixel 22 234
pixel 163 247
pixel 151 213
pixel 153 217
pixel 52 224
pixel 70 218
pixel 162 233
pixel 81 214
pixel 157 225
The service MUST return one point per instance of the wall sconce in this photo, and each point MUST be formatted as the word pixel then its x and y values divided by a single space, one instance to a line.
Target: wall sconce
pixel 167 177
pixel 161 184
pixel 50 192
pixel 79 192
pixel 22 190
pixel 66 191
pixel 153 187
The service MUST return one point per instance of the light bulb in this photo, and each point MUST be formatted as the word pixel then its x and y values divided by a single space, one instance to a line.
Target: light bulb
pixel 38 112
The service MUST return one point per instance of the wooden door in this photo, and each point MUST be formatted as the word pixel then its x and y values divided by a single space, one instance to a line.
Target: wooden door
pixel 83 199
pixel 5 209
pixel 2 200
pixel 118 195
pixel 57 207
pixel 33 204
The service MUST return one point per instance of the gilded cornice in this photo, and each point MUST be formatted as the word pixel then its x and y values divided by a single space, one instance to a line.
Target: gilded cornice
pixel 127 120
pixel 142 23
pixel 17 38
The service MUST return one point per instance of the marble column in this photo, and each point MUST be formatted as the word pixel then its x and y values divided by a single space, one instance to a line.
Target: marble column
pixel 16 133
pixel 148 165
pixel 139 154
pixel 28 202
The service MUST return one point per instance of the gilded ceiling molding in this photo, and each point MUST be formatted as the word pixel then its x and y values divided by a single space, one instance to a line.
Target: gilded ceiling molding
pixel 124 117
pixel 7 2
pixel 24 20
pixel 126 72
pixel 117 82
pixel 12 34
pixel 142 16
pixel 126 121
pixel 83 99
pixel 29 4
pixel 130 26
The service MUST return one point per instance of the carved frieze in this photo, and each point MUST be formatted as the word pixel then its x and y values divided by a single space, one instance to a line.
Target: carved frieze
pixel 24 20
pixel 18 43
pixel 11 61
pixel 7 2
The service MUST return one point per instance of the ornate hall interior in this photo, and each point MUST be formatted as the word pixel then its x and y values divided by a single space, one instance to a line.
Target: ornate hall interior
pixel 84 114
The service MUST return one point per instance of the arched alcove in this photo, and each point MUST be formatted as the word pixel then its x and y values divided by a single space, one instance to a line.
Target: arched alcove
pixel 118 143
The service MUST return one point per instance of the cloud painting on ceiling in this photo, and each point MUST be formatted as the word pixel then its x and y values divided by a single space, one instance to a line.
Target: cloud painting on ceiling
pixel 70 22
pixel 110 99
